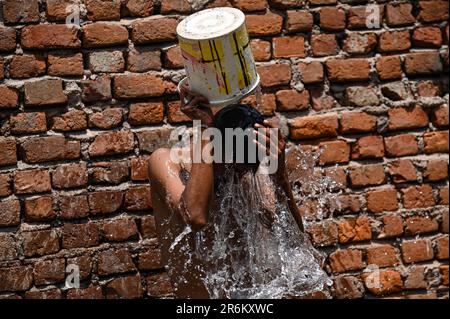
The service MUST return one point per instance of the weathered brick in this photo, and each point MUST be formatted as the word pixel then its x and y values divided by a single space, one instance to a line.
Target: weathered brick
pixel 435 142
pixel 274 74
pixel 182 6
pixel 392 226
pixel 428 88
pixel 28 123
pixel 10 97
pixel 138 198
pixel 5 185
pixel 120 142
pixel 266 107
pixel 261 50
pixel 442 247
pixel 367 175
pixel 52 293
pixel 16 278
pixel 368 147
pixel 59 10
pixel 340 70
pixel 334 152
pixel 427 37
pixel 311 72
pixel 137 8
pixel 348 287
pixel 9 249
pixel 50 36
pixel 418 196
pixel 433 11
pixel 389 67
pixel 119 229
pixel 98 89
pixel 91 292
pixel 354 230
pixel 44 92
pixel 70 176
pixel 104 34
pixel 392 41
pixel 40 242
pixel 139 168
pixel 323 234
pixel 390 281
pixel 381 200
pixel 109 118
pixel 420 225
pixel 299 20
pixel 20 11
pixel 158 285
pixel 106 62
pixel 332 19
pixel 173 58
pixel 361 96
pixel 420 63
pixel 80 235
pixel 148 227
pixel 345 260
pixel 436 170
pixel 73 120
pixel 146 113
pixel 8 156
pixel 440 116
pixel 115 262
pixel 49 271
pixel 84 264
pixel 50 148
pixel 105 202
pixel 416 278
pixel 31 181
pixel 154 30
pixel 402 118
pixel 27 66
pixel 357 16
pixel 401 145
pixel 324 45
pixel 416 250
pixel 103 9
pixel 356 43
pixel 396 91
pixel 7 39
pixel 314 127
pixel 151 140
pixel 357 122
pixel 443 195
pixel 382 256
pixel 289 47
pixel 263 25
pixel 143 60
pixel 399 14
pixel 346 204
pixel 292 100
pixel 39 209
pixel 124 288
pixel 137 86
pixel 110 172
pixel 72 207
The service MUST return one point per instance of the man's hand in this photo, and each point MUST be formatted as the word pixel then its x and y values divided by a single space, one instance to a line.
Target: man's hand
pixel 190 105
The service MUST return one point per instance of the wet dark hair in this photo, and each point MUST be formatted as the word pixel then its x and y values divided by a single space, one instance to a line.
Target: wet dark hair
pixel 242 116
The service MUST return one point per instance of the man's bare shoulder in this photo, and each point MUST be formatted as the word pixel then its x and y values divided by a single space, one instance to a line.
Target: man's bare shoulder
pixel 160 159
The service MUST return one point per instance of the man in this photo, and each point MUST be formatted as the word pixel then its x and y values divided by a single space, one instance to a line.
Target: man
pixel 231 245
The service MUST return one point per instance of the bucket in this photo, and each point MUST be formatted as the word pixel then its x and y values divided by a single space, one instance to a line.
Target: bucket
pixel 217 55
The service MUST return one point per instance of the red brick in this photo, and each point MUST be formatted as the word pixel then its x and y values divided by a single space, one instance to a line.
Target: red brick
pixel 84 264
pixel 16 278
pixel 106 62
pixel 361 96
pixel 368 147
pixel 338 176
pixel 264 25
pixel 392 41
pixel 39 209
pixel 181 6
pixel 115 262
pixel 267 106
pixel 119 229
pixel 427 37
pixel 138 8
pixel 443 196
pixel 292 100
pixel 381 200
pixel 146 113
pixel 143 60
pixel 433 11
pixel 250 5
pixel 151 140
pixel 443 270
pixel 50 148
pixel 323 234
pixel 138 198
pixel 139 168
pixel 367 175
pixel 418 196
pixel 332 19
pixel 396 91
pixel 2 69
pixel 58 10
pixel 52 293
pixel 389 67
pixel 402 171
pixel 357 122
pixel 27 66
pixel 7 39
pixel 423 63
pixel 80 235
pixel 345 260
pixel 298 21
pixel 416 250
pixel 9 213
pixel 105 202
pixel 348 70
pixel 73 120
pixel 382 256
pixel 91 292
pixel 24 123
pixel 104 34
pixel 40 242
pixel 287 3
pixel 428 88
pixel 440 116
pixel 44 92
pixel 148 227
pixel 334 152
pixel 49 271
pixel 137 86
pixel 390 282
pixel 435 142
pixel 392 226
pixel 154 30
pixel 274 74
pixel 436 170
pixel 402 118
pixel 98 89
pixel 444 221
pixel 120 142
pixel 31 181
pixel 10 97
pixel 107 119
pixel 110 172
pixel 354 230
pixel 70 176
pixel 420 225
pixel 20 11
pixel 50 36
pixel 401 145
pixel 357 16
pixel 314 127
pixel 289 47
pixel 8 156
pixel 399 14
pixel 416 278
pixel 348 287
pixel 5 185
pixel 72 207
pixel 173 58
pixel 324 45
pixel 124 288
pixel 261 50
pixel 442 247
pixel 158 285
pixel 346 204
pixel 103 9
pixel 356 43
pixel 150 259
pixel 311 72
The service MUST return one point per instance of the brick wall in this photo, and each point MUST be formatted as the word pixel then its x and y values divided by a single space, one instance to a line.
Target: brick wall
pixel 82 107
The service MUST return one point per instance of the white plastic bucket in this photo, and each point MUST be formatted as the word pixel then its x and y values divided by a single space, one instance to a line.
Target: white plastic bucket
pixel 217 55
